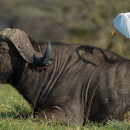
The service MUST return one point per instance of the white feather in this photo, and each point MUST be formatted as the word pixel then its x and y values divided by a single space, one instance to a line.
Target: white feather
pixel 122 23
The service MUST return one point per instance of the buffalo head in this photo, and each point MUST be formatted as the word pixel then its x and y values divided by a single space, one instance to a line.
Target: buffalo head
pixel 15 51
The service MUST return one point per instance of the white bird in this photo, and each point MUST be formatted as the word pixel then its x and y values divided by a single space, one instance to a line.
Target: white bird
pixel 122 23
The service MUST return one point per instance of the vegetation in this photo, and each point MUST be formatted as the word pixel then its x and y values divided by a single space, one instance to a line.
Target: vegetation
pixel 15 113
pixel 76 21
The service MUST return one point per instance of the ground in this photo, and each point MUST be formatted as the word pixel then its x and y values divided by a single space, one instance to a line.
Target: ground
pixel 15 113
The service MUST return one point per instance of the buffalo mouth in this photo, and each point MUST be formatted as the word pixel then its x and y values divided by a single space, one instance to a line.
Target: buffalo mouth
pixel 4 76
pixel 3 81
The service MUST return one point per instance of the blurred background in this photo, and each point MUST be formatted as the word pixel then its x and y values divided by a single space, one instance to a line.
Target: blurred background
pixel 72 21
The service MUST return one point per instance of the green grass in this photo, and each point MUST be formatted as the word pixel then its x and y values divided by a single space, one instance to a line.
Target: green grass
pixel 14 110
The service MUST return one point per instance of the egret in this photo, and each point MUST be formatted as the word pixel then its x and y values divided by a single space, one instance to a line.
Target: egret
pixel 122 24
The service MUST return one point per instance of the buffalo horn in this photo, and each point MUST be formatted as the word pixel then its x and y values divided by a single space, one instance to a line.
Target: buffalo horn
pixel 45 59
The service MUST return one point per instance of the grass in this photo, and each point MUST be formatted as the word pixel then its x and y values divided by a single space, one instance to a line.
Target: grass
pixel 14 109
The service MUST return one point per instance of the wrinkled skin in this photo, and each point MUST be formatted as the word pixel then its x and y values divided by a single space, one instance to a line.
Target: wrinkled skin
pixel 82 82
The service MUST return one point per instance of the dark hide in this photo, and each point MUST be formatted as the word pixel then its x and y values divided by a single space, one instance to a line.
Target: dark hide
pixel 83 82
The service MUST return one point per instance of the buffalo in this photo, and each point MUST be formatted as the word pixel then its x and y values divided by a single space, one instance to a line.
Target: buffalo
pixel 65 82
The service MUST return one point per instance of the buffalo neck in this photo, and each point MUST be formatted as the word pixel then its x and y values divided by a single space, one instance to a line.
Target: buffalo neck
pixel 33 84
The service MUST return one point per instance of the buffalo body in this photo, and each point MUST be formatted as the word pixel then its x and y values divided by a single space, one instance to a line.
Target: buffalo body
pixel 79 82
